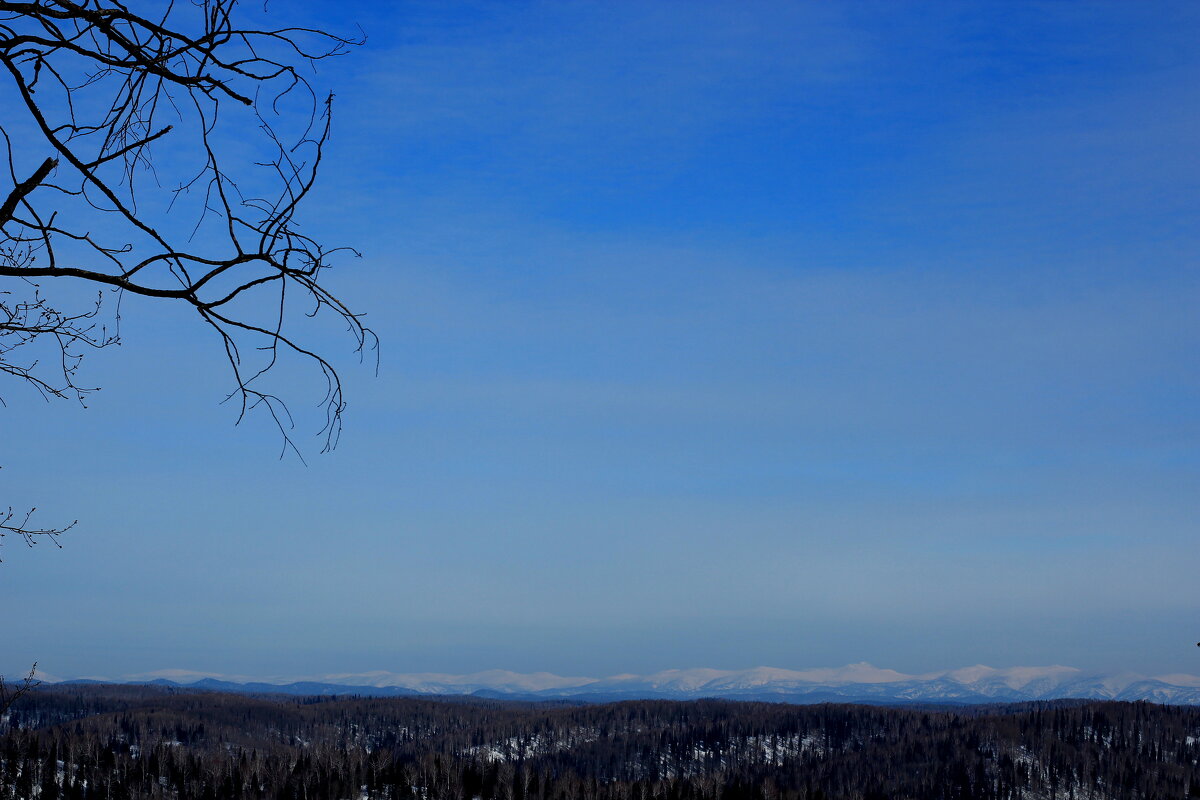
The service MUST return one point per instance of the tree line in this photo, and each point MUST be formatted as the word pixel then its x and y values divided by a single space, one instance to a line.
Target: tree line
pixel 83 742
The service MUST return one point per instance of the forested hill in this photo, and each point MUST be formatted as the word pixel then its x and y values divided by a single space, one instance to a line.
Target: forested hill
pixel 117 742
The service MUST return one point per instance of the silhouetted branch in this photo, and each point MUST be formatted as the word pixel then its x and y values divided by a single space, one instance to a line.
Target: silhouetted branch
pixel 89 88
pixel 8 696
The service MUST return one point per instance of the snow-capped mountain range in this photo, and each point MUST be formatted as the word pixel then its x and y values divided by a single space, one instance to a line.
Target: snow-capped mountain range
pixel 852 683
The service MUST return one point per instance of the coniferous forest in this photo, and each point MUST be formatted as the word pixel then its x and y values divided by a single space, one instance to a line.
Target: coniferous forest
pixel 119 742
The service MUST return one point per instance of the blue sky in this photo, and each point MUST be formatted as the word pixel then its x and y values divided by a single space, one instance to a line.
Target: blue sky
pixel 714 334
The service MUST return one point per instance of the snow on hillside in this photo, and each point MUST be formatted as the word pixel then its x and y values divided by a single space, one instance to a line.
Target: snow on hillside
pixel 853 682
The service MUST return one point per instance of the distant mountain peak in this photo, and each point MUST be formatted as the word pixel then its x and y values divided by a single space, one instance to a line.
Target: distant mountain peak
pixel 858 682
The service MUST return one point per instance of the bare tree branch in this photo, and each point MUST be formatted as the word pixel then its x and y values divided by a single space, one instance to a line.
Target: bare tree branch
pixel 89 88
pixel 10 695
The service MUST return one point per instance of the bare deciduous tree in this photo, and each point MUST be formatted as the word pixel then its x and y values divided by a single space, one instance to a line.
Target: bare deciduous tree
pixel 161 150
